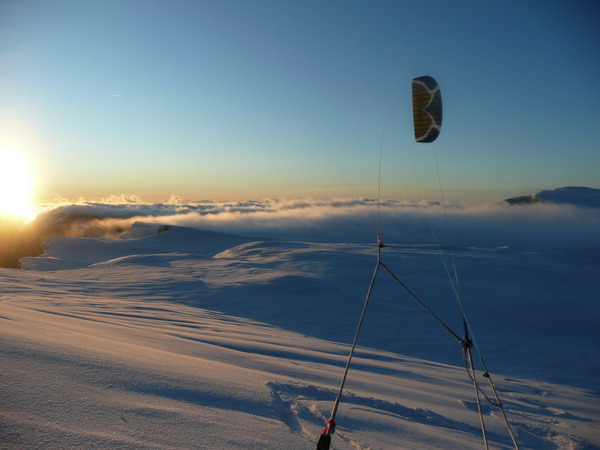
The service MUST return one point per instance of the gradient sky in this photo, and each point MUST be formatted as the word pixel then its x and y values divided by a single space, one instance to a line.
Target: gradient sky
pixel 270 98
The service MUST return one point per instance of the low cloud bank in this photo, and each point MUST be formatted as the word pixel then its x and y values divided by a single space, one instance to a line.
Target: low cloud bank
pixel 537 227
pixel 543 226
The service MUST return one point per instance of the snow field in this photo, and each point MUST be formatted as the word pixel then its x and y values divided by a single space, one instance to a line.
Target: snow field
pixel 190 339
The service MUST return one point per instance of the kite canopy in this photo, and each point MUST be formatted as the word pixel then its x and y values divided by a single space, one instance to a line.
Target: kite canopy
pixel 427 109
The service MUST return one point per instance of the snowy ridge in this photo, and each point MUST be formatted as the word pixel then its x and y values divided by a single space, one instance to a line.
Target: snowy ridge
pixel 191 339
pixel 579 196
pixel 571 195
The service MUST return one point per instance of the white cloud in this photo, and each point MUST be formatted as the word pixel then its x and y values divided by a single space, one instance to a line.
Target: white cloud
pixel 540 226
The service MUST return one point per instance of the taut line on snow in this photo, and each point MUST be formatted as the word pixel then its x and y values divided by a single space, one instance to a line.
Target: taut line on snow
pixel 427 118
pixel 325 438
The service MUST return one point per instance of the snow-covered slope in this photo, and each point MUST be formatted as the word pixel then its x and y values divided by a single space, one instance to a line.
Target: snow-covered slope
pixel 192 339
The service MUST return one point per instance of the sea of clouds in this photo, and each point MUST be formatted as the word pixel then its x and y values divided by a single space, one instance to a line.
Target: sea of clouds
pixel 545 226
pixel 538 226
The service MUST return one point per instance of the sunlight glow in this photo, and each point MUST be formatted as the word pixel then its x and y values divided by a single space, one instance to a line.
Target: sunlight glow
pixel 16 185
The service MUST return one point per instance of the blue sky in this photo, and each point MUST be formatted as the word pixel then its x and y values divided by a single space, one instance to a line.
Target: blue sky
pixel 252 99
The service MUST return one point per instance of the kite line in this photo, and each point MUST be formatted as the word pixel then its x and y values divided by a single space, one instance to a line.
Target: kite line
pixel 427 116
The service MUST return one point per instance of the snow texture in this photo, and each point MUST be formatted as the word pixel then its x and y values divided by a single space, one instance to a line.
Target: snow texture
pixel 174 337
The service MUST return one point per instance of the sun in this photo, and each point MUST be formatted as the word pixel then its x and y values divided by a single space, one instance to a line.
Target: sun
pixel 16 185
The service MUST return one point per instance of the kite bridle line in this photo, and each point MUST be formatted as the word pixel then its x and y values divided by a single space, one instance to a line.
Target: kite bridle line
pixel 379 178
pixel 466 342
pixel 325 439
pixel 469 336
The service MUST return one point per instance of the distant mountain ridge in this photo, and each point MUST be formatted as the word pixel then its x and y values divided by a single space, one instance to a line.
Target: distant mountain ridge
pixel 571 195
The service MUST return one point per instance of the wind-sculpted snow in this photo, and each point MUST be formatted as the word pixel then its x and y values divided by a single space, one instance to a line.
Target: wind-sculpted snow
pixel 177 337
pixel 325 283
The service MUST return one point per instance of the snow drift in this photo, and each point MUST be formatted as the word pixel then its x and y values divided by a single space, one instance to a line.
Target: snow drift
pixel 174 337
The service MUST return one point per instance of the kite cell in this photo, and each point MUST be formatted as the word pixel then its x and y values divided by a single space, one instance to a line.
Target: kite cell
pixel 427 109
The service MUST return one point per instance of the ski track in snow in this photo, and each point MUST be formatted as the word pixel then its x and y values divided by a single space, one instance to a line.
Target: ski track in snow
pixel 198 340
